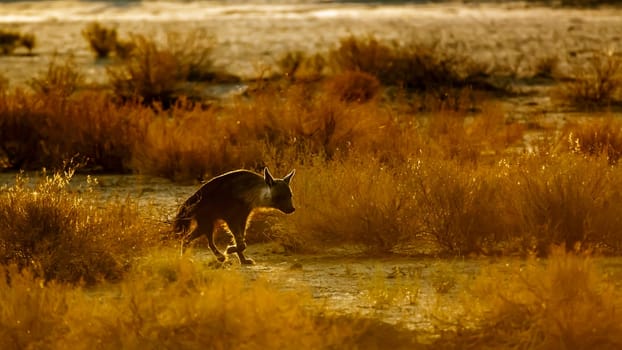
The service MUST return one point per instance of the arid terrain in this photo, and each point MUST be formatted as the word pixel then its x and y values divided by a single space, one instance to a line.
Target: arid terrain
pixel 457 184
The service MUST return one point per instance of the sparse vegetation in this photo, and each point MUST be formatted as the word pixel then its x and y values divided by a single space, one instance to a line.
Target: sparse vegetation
pixel 104 41
pixel 158 73
pixel 401 150
pixel 421 66
pixel 562 303
pixel 597 81
pixel 67 236
pixel 11 40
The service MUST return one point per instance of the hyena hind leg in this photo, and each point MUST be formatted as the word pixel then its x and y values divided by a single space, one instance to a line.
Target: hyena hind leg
pixel 203 229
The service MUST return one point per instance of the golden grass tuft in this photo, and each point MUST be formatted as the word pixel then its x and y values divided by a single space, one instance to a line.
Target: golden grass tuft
pixel 353 86
pixel 69 236
pixel 561 303
pixel 597 81
pixel 102 40
pixel 354 202
pixel 176 303
pixel 415 65
pixel 568 201
pixel 598 137
pixel 159 71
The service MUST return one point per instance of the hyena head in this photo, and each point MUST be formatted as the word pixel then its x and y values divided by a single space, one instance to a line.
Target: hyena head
pixel 280 194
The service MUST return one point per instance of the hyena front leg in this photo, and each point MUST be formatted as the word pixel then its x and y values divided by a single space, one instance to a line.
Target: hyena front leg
pixel 240 244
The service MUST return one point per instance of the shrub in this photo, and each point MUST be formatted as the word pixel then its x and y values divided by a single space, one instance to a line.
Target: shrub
pixel 65 236
pixel 173 303
pixel 47 127
pixel 193 52
pixel 353 86
pixel 297 65
pixel 192 144
pixel 561 303
pixel 9 41
pixel 354 202
pixel 462 209
pixel 61 79
pixel 567 201
pixel 594 138
pixel 157 73
pixel 150 74
pixel 597 81
pixel 417 66
pixel 28 41
pixel 102 40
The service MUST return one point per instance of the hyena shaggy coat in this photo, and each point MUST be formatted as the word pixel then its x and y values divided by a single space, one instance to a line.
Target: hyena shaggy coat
pixel 231 197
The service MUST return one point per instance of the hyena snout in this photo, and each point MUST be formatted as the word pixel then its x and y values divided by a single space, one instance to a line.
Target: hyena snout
pixel 287 207
pixel 288 210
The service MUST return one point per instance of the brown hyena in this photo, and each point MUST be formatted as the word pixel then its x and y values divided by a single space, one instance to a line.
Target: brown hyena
pixel 231 197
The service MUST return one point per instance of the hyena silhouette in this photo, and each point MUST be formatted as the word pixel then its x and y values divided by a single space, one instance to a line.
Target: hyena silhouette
pixel 231 197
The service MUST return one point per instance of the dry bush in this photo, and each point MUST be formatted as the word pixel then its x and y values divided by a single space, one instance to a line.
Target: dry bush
pixel 193 52
pixel 353 86
pixel 193 143
pixel 11 40
pixel 594 138
pixel 103 41
pixel 45 128
pixel 298 66
pixel 462 208
pixel 61 79
pixel 597 81
pixel 171 303
pixel 354 202
pixel 66 236
pixel 568 200
pixel 156 72
pixel 310 123
pixel 28 41
pixel 415 65
pixel 546 67
pixel 469 137
pixel 150 73
pixel 563 303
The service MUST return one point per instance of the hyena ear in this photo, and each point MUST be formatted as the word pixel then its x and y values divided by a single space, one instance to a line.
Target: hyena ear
pixel 288 177
pixel 268 177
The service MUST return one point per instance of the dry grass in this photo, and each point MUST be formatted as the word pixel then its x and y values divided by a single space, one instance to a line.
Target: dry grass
pixel 563 303
pixel 568 201
pixel 597 81
pixel 11 40
pixel 599 137
pixel 421 66
pixel 194 143
pixel 61 79
pixel 46 128
pixel 353 86
pixel 159 71
pixel 103 41
pixel 354 202
pixel 173 303
pixel 68 236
